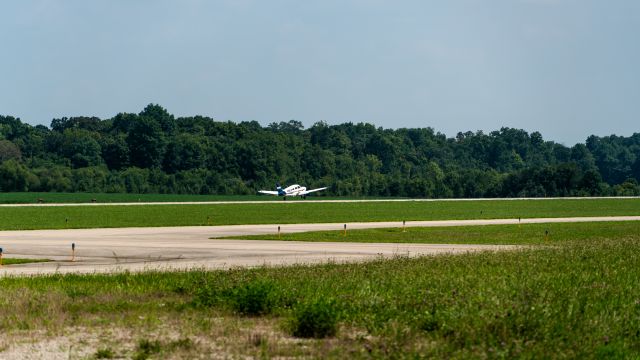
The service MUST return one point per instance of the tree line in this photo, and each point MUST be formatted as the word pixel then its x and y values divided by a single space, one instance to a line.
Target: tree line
pixel 155 152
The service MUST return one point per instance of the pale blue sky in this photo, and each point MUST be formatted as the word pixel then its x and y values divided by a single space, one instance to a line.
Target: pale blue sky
pixel 566 68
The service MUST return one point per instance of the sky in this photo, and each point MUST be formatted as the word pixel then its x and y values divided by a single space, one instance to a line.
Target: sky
pixel 566 68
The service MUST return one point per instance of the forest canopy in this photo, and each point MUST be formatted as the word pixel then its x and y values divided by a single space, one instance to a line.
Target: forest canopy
pixel 155 152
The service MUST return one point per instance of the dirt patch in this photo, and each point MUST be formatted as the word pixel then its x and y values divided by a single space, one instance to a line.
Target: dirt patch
pixel 222 338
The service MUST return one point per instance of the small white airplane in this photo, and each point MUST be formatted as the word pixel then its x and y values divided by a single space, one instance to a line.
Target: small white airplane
pixel 292 190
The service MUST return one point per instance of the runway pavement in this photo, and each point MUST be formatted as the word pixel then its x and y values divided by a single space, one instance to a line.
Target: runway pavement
pixel 179 248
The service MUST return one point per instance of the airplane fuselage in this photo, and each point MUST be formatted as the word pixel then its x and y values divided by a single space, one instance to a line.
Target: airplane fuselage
pixel 294 190
pixel 291 190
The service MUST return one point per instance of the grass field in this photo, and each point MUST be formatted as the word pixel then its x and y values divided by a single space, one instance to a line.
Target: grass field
pixel 69 198
pixel 526 234
pixel 22 218
pixel 53 197
pixel 574 299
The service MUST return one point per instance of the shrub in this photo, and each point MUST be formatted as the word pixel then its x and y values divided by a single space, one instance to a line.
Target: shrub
pixel 207 294
pixel 315 319
pixel 254 298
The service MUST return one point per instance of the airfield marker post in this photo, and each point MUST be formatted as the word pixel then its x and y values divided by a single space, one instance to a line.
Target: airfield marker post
pixel 73 252
pixel 0 256
pixel 345 230
pixel 403 225
pixel 278 232
pixel 546 235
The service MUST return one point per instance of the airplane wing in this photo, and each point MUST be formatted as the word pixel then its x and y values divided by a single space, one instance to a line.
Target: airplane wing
pixel 310 191
pixel 268 192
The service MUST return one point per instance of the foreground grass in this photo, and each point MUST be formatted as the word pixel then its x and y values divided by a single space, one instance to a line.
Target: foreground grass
pixel 23 218
pixel 580 299
pixel 487 234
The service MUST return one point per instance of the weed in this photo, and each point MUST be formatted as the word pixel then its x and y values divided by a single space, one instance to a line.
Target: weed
pixel 257 340
pixel 315 319
pixel 182 344
pixel 105 353
pixel 428 322
pixel 206 294
pixel 147 348
pixel 254 298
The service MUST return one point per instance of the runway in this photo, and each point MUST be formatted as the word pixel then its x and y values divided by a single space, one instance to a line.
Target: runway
pixel 182 248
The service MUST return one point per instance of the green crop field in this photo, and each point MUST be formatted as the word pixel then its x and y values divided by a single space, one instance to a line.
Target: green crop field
pixel 53 197
pixel 70 198
pixel 33 217
pixel 570 299
pixel 526 234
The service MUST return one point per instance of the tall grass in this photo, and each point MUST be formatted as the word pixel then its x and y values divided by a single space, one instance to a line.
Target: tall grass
pixel 580 299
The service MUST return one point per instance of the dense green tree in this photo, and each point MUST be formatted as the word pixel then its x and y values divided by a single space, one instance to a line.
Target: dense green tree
pixel 9 150
pixel 14 176
pixel 123 122
pixel 155 152
pixel 92 124
pixel 56 178
pixel 80 147
pixel 146 143
pixel 161 116
pixel 90 179
pixel 115 151
pixel 635 169
pixel 185 152
pixel 12 128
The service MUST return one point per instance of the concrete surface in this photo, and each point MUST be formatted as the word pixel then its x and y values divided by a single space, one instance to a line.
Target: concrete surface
pixel 179 248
